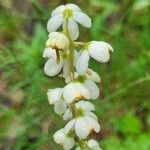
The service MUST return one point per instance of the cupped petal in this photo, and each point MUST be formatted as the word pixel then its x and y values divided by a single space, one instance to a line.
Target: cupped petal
pixel 83 19
pixel 81 128
pixel 49 53
pixel 60 107
pixel 69 126
pixel 75 91
pixel 59 136
pixel 92 124
pixel 100 51
pixel 92 75
pixel 85 106
pixel 92 115
pixel 58 10
pixel 94 144
pixel 54 95
pixel 73 7
pixel 93 88
pixel 73 29
pixel 54 23
pixel 67 115
pixel 83 62
pixel 52 68
pixel 68 144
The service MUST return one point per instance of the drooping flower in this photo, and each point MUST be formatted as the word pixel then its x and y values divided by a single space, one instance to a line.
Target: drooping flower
pixel 98 50
pixel 52 67
pixel 75 91
pixel 85 121
pixel 63 138
pixel 73 14
pixel 92 144
pixel 82 108
pixel 55 98
pixel 88 80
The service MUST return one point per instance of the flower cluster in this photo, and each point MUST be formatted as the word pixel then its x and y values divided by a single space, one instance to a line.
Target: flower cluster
pixel 70 59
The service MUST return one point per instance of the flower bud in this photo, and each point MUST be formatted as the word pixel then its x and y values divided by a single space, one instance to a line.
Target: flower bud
pixel 57 41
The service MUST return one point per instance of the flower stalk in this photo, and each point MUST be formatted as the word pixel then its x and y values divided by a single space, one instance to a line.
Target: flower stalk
pixel 71 52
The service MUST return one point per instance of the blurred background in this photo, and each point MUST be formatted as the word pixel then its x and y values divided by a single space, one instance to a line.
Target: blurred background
pixel 27 122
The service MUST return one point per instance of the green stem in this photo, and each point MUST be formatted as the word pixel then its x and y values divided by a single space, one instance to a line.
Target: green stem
pixel 71 52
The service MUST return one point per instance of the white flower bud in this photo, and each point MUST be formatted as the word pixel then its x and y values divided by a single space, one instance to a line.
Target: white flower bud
pixel 57 41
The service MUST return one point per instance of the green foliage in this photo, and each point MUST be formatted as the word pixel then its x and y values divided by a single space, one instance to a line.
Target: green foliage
pixel 26 119
pixel 129 124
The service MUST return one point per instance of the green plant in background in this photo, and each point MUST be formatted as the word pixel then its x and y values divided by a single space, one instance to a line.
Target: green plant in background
pixel 24 113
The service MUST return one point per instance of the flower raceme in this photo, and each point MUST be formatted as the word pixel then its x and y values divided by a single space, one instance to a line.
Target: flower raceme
pixel 70 60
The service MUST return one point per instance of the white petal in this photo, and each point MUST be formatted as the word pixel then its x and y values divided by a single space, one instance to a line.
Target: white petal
pixel 68 144
pixel 81 128
pixel 92 115
pixel 59 136
pixel 54 23
pixel 66 69
pixel 58 10
pixel 60 107
pixel 92 124
pixel 83 19
pixel 93 75
pixel 69 126
pixel 76 57
pixel 93 88
pixel 49 53
pixel 51 67
pixel 94 144
pixel 67 115
pixel 83 62
pixel 73 29
pixel 100 51
pixel 85 106
pixel 54 95
pixel 73 7
pixel 75 91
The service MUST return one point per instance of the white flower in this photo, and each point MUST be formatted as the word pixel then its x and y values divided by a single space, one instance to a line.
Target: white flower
pixel 55 98
pixel 75 91
pixel 93 144
pixel 98 50
pixel 92 75
pixel 73 14
pixel 88 81
pixel 61 137
pixel 57 41
pixel 52 67
pixel 83 107
pixel 85 121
